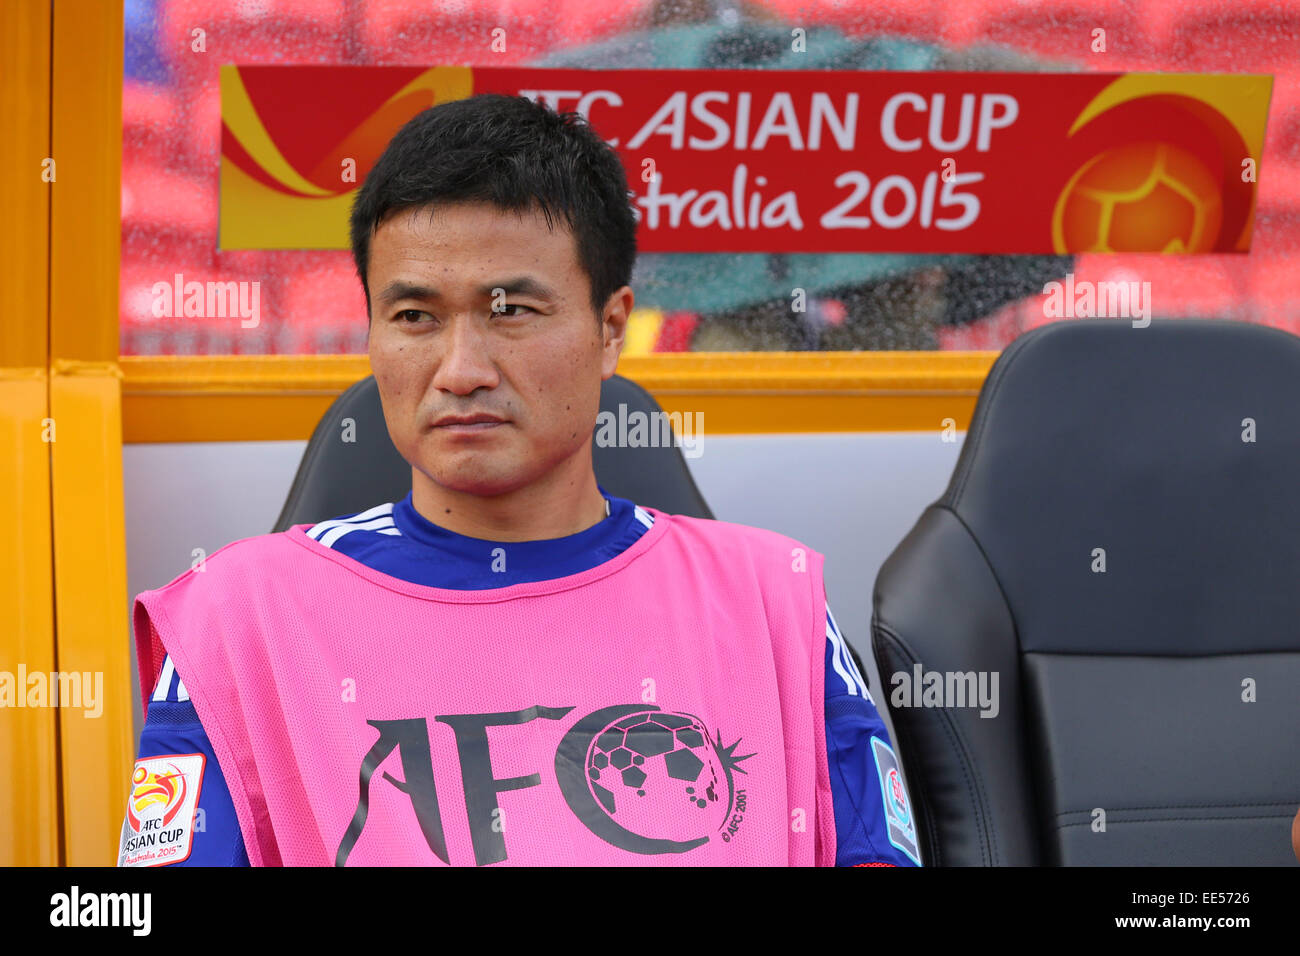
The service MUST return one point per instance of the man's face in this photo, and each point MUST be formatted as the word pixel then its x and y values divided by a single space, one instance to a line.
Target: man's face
pixel 438 349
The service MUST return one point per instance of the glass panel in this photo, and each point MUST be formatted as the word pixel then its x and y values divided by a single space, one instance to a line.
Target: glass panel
pixel 311 302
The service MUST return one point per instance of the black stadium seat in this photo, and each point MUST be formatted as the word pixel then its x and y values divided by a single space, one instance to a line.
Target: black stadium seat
pixel 1159 698
pixel 338 478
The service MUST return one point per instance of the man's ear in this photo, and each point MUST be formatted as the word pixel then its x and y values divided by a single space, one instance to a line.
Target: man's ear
pixel 614 329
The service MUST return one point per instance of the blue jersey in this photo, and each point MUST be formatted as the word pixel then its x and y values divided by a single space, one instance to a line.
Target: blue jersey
pixel 873 823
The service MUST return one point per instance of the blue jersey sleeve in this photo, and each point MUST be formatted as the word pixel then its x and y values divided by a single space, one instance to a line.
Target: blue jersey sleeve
pixel 173 744
pixel 874 825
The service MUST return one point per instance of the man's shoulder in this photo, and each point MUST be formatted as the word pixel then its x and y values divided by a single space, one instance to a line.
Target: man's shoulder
pixel 728 534
pixel 226 566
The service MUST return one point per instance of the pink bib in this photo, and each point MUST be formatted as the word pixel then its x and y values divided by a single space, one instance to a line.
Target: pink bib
pixel 663 708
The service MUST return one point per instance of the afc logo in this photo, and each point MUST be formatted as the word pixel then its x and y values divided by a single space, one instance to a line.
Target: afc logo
pixel 642 779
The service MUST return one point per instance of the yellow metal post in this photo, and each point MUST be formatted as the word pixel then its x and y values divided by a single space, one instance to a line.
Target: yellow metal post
pixel 90 589
pixel 29 791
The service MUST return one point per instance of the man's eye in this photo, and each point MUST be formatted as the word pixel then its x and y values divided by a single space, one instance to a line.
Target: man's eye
pixel 406 313
pixel 504 310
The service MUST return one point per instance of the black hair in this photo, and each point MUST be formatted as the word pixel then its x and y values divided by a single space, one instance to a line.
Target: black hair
pixel 518 155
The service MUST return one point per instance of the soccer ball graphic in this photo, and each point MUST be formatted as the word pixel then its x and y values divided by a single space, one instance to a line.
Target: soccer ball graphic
pixel 1144 197
pixel 659 775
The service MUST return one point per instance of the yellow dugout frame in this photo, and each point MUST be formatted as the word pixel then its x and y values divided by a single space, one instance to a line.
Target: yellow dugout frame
pixel 68 401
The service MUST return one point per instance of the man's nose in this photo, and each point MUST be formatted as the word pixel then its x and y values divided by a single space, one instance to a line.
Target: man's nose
pixel 465 361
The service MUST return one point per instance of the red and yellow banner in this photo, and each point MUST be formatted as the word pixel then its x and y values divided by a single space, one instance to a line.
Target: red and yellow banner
pixel 791 161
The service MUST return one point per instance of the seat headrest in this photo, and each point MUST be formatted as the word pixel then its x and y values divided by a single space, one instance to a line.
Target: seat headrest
pixel 1171 453
pixel 339 477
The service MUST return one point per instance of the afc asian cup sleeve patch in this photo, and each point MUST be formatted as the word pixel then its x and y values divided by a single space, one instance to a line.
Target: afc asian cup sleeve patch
pixel 161 810
pixel 898 809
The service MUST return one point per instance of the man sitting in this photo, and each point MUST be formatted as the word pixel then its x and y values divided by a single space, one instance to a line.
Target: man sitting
pixel 509 664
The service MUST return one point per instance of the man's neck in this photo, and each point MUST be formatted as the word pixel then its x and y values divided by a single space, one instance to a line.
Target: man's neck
pixel 537 512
